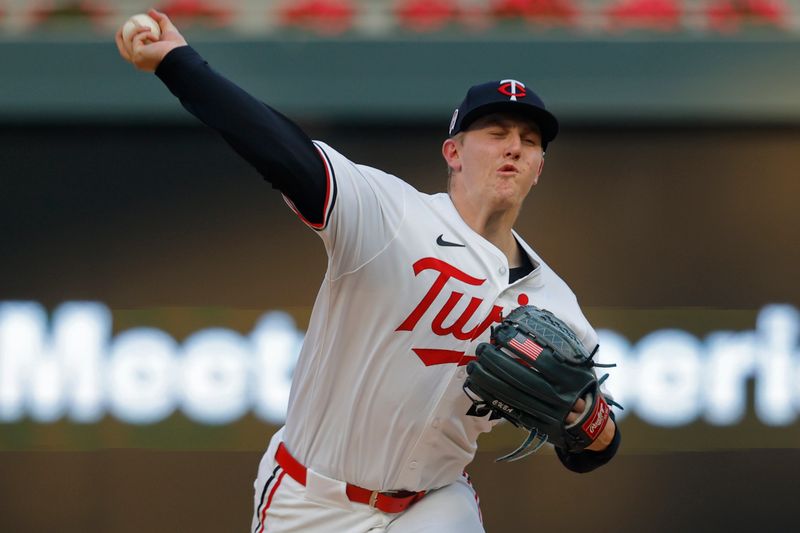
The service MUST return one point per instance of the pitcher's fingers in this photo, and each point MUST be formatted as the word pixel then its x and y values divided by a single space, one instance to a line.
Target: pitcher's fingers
pixel 163 21
pixel 140 38
pixel 122 46
pixel 580 405
pixel 143 32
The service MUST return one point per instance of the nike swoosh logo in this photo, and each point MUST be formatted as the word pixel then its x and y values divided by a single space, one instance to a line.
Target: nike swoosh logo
pixel 441 242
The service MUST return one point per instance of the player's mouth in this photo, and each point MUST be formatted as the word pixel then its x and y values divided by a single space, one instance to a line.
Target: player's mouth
pixel 508 169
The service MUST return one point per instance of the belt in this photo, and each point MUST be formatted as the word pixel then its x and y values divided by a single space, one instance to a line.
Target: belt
pixel 388 502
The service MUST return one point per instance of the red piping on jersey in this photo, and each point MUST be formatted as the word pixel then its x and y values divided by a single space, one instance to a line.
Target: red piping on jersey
pixel 475 493
pixel 328 188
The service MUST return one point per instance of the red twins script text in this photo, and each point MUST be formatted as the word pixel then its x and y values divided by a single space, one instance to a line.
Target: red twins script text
pixel 431 356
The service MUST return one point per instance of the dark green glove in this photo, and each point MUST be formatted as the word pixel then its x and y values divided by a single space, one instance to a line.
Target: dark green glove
pixel 532 373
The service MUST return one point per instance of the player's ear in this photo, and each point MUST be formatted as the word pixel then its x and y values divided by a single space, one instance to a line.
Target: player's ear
pixel 538 171
pixel 452 154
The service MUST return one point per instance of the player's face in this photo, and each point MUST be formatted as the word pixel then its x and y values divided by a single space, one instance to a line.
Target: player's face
pixel 499 160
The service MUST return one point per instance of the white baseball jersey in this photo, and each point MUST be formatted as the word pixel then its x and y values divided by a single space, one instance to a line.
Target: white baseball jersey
pixel 409 293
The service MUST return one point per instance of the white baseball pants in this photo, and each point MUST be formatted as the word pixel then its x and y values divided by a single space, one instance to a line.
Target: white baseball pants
pixel 283 505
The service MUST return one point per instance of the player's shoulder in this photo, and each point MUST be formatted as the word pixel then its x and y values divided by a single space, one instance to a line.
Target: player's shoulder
pixel 343 167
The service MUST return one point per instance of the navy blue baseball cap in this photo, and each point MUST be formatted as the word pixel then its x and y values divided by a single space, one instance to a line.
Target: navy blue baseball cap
pixel 510 96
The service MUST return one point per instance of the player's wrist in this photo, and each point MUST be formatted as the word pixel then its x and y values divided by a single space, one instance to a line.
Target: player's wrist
pixel 605 438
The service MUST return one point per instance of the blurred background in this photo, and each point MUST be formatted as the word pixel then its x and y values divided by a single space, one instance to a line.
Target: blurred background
pixel 154 290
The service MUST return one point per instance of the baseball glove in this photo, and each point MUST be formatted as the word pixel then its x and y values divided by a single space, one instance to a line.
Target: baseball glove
pixel 532 373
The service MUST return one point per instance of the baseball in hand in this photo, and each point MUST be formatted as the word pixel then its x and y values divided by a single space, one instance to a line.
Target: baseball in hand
pixel 140 21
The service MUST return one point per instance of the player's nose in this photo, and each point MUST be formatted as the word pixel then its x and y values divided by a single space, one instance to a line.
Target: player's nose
pixel 514 146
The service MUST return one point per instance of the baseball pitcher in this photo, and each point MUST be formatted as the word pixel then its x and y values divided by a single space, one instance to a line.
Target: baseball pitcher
pixel 434 321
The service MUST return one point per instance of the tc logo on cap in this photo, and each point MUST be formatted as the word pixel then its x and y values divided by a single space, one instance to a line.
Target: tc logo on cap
pixel 512 89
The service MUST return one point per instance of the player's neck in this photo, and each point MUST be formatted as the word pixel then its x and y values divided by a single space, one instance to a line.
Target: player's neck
pixel 505 241
pixel 495 227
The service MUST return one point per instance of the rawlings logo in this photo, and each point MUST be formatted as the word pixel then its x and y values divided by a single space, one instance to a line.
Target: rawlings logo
pixel 597 421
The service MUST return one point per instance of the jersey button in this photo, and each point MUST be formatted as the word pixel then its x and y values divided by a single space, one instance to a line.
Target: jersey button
pixel 462 374
pixel 502 270
pixel 412 465
pixel 435 423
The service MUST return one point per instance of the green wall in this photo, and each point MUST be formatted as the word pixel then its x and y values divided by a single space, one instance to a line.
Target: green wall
pixel 619 80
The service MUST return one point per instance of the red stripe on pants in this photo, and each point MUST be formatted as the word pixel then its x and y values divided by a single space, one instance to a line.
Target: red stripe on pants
pixel 269 501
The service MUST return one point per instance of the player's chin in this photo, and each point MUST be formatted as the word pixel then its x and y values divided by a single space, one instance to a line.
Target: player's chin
pixel 509 193
pixel 504 202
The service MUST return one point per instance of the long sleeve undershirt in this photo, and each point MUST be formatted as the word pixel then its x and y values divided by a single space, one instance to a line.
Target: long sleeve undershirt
pixel 279 150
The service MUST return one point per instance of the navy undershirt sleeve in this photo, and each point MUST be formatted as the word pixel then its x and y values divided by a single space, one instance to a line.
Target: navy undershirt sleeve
pixel 281 152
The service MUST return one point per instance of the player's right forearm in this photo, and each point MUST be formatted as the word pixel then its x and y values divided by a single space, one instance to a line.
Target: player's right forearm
pixel 272 143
